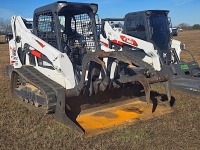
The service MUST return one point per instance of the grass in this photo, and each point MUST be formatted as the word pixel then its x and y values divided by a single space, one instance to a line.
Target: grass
pixel 192 41
pixel 23 129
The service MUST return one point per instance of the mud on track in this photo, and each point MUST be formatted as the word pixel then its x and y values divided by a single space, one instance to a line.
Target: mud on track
pixel 23 129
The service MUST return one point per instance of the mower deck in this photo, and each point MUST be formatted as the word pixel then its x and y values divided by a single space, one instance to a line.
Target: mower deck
pixel 188 84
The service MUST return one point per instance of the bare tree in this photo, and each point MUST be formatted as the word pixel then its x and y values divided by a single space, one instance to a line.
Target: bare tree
pixel 184 26
pixel 5 26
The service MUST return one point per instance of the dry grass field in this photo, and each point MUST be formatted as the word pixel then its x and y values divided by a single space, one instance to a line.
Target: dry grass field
pixel 192 41
pixel 20 128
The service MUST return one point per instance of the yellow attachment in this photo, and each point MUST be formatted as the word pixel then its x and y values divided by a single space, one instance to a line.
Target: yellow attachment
pixel 100 121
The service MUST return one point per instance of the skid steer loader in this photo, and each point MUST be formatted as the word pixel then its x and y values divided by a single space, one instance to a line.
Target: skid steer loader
pixel 60 68
pixel 147 33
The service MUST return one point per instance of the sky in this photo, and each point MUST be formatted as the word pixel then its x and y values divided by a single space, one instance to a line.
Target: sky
pixel 181 11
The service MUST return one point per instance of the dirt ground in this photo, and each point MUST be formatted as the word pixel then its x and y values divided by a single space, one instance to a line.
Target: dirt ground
pixel 23 129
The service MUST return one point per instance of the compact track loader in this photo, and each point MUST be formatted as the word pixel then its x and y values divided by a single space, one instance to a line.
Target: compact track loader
pixel 60 68
pixel 147 33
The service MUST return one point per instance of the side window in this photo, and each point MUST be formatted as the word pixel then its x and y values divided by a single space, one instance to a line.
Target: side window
pixel 45 27
pixel 62 23
pixel 73 24
pixel 135 26
pixel 45 23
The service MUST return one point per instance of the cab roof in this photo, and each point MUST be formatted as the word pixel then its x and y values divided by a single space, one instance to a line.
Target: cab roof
pixel 68 6
pixel 148 12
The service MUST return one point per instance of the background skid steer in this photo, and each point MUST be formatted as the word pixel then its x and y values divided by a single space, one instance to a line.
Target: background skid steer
pixel 147 33
pixel 60 69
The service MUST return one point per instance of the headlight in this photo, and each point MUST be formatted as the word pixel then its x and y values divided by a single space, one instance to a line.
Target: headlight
pixel 182 46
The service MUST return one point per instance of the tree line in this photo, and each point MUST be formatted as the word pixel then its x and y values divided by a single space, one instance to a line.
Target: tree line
pixel 186 26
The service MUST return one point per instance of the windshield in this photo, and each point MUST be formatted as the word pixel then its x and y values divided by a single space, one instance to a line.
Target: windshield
pixel 160 32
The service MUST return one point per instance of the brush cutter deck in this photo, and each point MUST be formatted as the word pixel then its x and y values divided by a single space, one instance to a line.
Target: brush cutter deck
pixel 187 83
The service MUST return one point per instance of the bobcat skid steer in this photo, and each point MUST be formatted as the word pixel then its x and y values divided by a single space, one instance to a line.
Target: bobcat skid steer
pixel 59 68
pixel 147 33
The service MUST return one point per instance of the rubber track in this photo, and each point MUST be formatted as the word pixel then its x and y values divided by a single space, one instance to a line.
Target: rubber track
pixel 46 85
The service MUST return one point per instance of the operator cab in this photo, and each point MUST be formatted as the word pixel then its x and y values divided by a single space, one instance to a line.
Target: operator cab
pixel 151 26
pixel 69 27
